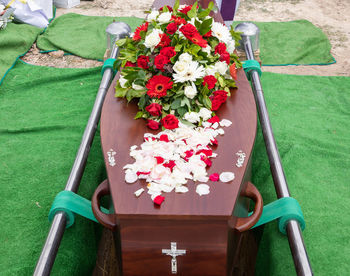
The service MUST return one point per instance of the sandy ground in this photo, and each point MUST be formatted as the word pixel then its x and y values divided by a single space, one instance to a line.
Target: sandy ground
pixel 331 16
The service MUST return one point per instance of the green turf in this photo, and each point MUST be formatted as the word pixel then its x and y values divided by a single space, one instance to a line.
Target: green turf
pixel 292 43
pixel 310 118
pixel 15 40
pixel 43 113
pixel 81 35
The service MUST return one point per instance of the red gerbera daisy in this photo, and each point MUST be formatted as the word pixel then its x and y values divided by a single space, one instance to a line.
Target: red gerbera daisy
pixel 158 85
pixel 139 29
pixel 199 40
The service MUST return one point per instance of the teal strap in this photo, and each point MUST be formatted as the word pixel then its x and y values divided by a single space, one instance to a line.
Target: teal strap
pixel 108 64
pixel 250 65
pixel 70 203
pixel 283 209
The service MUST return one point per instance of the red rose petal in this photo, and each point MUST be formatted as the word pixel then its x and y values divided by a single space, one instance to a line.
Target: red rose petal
pixel 139 173
pixel 159 159
pixel 164 138
pixel 214 177
pixel 158 200
pixel 214 142
pixel 214 119
pixel 171 164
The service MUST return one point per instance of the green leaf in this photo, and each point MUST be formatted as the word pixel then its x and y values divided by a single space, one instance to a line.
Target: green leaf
pixel 138 115
pixel 206 26
pixel 143 101
pixel 207 10
pixel 120 42
pixel 165 9
pixel 131 93
pixel 207 102
pixel 185 101
pixel 176 103
pixel 178 47
pixel 205 90
pixel 176 5
pixel 120 92
pixel 193 12
pixel 221 81
pixel 181 111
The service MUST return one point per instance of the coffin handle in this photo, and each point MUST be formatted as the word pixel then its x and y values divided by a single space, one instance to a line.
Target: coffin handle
pixel 107 220
pixel 244 224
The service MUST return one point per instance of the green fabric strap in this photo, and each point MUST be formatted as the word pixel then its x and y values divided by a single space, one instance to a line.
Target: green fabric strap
pixel 249 65
pixel 108 64
pixel 70 203
pixel 283 209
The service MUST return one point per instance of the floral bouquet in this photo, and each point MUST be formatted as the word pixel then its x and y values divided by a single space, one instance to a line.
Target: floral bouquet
pixel 179 64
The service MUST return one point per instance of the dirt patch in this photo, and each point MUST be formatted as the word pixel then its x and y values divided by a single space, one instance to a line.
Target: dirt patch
pixel 331 17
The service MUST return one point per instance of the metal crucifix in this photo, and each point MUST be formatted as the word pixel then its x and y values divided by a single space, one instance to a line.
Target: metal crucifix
pixel 173 252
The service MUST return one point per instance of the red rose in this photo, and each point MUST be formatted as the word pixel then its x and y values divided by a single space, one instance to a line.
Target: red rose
pixel 209 80
pixel 130 64
pixel 171 28
pixel 208 34
pixel 215 104
pixel 164 41
pixel 225 57
pixel 169 8
pixel 170 122
pixel 158 85
pixel 142 62
pixel 214 119
pixel 189 30
pixel 153 124
pixel 221 95
pixel 154 109
pixel 139 29
pixel 160 61
pixel 220 48
pixel 168 52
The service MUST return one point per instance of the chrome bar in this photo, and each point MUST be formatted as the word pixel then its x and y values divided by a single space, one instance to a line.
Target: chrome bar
pixel 295 238
pixel 53 240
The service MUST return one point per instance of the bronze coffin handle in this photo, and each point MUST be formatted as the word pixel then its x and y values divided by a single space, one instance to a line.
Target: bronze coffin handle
pixel 107 220
pixel 244 224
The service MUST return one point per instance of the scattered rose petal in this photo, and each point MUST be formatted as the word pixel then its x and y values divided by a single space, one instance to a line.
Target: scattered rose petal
pixel 130 176
pixel 139 173
pixel 164 138
pixel 214 142
pixel 159 159
pixel 215 125
pixel 181 189
pixel 214 119
pixel 225 123
pixel 133 147
pixel 221 131
pixel 206 124
pixel 139 192
pixel 158 199
pixel 202 189
pixel 214 177
pixel 227 176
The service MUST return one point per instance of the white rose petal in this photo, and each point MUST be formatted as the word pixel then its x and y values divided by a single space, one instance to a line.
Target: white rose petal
pixel 227 176
pixel 139 192
pixel 122 81
pixel 153 196
pixel 202 189
pixel 206 124
pixel 164 17
pixel 137 87
pixel 221 131
pixel 225 123
pixel 181 189
pixel 231 46
pixel 130 176
pixel 215 125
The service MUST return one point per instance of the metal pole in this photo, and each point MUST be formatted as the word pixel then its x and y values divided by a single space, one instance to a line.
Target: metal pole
pixel 53 240
pixel 295 238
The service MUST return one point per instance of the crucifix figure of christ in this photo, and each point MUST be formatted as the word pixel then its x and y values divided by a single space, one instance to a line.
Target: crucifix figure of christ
pixel 173 252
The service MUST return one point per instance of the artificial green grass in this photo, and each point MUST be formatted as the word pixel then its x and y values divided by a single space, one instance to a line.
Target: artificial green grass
pixel 296 42
pixel 310 119
pixel 15 40
pixel 43 113
pixel 81 35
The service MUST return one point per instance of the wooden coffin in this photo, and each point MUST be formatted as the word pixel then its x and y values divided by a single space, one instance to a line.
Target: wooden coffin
pixel 208 228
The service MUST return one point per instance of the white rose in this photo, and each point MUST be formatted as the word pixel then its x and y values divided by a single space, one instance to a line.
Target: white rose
pixel 180 67
pixel 191 91
pixel 153 39
pixel 185 57
pixel 230 46
pixel 152 16
pixel 221 67
pixel 137 87
pixel 192 117
pixel 164 17
pixel 204 113
pixel 122 81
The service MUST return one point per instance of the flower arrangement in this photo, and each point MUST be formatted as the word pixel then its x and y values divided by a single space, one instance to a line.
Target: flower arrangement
pixel 179 64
